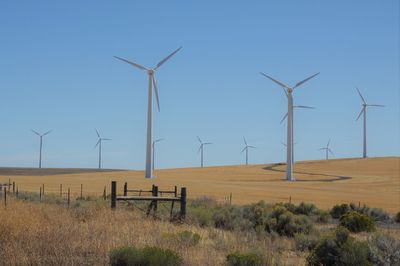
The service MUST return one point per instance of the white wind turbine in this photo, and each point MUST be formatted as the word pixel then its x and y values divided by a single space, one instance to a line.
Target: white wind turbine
pixel 246 148
pixel 154 142
pixel 283 119
pixel 288 91
pixel 201 148
pixel 327 150
pixel 294 143
pixel 364 110
pixel 41 144
pixel 152 82
pixel 99 144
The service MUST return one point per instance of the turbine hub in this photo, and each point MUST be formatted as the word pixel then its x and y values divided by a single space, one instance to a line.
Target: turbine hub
pixel 290 90
pixel 150 71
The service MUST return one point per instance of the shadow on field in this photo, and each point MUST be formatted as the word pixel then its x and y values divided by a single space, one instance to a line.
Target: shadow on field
pixel 330 178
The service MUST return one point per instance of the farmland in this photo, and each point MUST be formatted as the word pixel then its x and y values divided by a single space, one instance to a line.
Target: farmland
pixel 372 181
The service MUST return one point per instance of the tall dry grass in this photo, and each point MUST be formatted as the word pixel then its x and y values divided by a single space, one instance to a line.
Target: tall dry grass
pixel 34 233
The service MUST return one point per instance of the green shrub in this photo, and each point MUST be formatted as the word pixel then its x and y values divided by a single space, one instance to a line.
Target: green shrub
pixel 286 223
pixel 357 222
pixel 323 217
pixel 338 210
pixel 154 256
pixel 339 249
pixel 148 256
pixel 244 259
pixel 202 216
pixel 306 209
pixel 126 256
pixel 185 237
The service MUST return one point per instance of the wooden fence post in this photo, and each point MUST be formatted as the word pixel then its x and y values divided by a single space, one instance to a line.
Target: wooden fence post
pixel 17 193
pixel 104 193
pixel 5 197
pixel 69 196
pixel 183 203
pixel 60 190
pixel 176 191
pixel 81 191
pixel 9 185
pixel 155 202
pixel 13 187
pixel 40 194
pixel 43 190
pixel 230 198
pixel 113 194
pixel 126 189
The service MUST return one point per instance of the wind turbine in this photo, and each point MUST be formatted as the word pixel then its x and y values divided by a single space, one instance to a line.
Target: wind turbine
pixel 288 91
pixel 99 144
pixel 201 148
pixel 152 82
pixel 246 148
pixel 364 110
pixel 41 144
pixel 294 143
pixel 154 142
pixel 327 150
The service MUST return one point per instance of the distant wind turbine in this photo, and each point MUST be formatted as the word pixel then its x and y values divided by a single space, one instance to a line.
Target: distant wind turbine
pixel 99 142
pixel 154 142
pixel 201 149
pixel 327 150
pixel 41 144
pixel 364 110
pixel 246 148
pixel 288 91
pixel 152 82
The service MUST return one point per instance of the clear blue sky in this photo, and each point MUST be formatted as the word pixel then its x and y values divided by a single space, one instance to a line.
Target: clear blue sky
pixel 57 71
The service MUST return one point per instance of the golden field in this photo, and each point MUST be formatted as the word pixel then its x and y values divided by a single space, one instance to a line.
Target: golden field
pixel 371 181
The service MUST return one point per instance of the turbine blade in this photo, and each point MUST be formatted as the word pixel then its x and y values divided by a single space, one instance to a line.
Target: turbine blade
pixel 47 132
pixel 158 140
pixel 132 63
pixel 199 140
pixel 305 80
pixel 276 81
pixel 251 147
pixel 106 139
pixel 245 142
pixel 376 105
pixel 331 152
pixel 284 144
pixel 283 119
pixel 200 148
pixel 207 143
pixel 97 143
pixel 328 143
pixel 304 106
pixel 168 57
pixel 362 98
pixel 35 132
pixel 362 110
pixel 243 149
pixel 97 132
pixel 156 92
pixel 321 149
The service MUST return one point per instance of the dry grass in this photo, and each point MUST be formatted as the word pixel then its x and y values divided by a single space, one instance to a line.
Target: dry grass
pixel 372 181
pixel 48 234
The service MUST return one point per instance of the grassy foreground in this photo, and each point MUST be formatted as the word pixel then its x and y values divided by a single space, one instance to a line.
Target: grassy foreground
pixel 49 233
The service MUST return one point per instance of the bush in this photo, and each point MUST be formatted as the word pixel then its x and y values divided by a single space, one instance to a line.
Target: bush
pixel 201 215
pixel 244 259
pixel 338 210
pixel 384 250
pixel 339 249
pixel 286 223
pixel 357 222
pixel 306 209
pixel 305 242
pixel 151 256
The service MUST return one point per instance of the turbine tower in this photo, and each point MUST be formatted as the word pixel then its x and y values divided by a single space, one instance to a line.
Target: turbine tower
pixel 41 144
pixel 201 149
pixel 154 142
pixel 152 82
pixel 364 111
pixel 283 119
pixel 327 150
pixel 288 91
pixel 99 144
pixel 246 148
